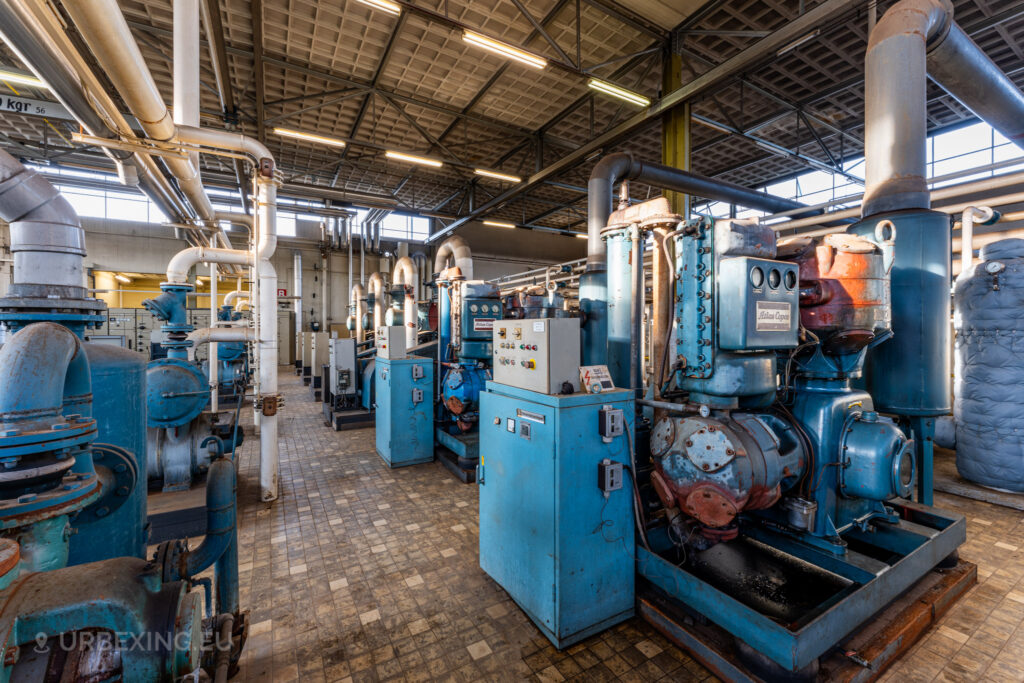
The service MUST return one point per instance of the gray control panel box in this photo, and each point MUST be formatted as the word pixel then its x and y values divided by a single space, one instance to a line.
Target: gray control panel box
pixel 390 342
pixel 758 305
pixel 343 367
pixel 539 355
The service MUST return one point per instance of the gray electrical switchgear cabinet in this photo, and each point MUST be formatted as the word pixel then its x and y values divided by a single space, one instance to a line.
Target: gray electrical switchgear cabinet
pixel 537 355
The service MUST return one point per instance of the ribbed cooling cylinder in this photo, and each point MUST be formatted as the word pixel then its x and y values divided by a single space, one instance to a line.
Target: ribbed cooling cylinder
pixel 990 367
pixel 910 373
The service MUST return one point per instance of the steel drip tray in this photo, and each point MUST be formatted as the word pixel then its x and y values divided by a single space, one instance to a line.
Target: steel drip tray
pixel 779 586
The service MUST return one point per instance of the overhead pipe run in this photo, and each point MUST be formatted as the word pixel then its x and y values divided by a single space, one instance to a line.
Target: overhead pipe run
pixel 407 276
pixel 618 167
pixel 912 40
pixel 42 43
pixel 105 31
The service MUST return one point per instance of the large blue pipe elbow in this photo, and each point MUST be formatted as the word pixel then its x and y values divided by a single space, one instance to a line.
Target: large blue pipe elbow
pixel 40 366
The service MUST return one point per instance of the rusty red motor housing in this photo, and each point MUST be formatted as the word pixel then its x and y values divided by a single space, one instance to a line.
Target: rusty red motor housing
pixel 844 288
pixel 713 468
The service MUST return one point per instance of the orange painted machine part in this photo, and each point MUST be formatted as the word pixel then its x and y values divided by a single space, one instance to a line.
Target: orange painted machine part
pixel 844 284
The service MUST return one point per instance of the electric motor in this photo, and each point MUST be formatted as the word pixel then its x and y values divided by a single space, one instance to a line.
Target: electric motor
pixel 714 468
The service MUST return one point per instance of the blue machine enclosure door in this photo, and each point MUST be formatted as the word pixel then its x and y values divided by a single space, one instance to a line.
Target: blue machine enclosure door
pixel 517 505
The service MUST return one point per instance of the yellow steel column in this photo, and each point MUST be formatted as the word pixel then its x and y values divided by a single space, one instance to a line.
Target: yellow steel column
pixel 675 132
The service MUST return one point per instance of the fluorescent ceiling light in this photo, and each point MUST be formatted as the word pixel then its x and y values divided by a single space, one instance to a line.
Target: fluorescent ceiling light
pixel 22 79
pixel 620 93
pixel 412 159
pixel 499 176
pixel 504 50
pixel 712 125
pixel 311 137
pixel 122 278
pixel 798 42
pixel 384 6
pixel 582 236
pixel 499 224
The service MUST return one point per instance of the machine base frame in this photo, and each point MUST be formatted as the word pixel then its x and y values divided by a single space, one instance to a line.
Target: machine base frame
pixel 921 544
pixel 459 453
pixel 350 418
pixel 863 657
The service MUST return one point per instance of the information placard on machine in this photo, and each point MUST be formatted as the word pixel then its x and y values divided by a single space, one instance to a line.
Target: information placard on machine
pixel 595 378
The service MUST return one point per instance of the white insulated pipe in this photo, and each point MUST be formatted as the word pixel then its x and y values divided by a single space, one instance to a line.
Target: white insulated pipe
pixel 186 66
pixel 182 262
pixel 233 297
pixel 971 214
pixel 376 287
pixel 105 31
pixel 355 299
pixel 456 249
pixel 214 365
pixel 213 335
pixel 297 286
pixel 407 274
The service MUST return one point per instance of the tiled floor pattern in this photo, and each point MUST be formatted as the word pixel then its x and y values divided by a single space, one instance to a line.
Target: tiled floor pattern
pixel 362 573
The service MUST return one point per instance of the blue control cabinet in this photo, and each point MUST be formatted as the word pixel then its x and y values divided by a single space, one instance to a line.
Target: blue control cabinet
pixel 548 534
pixel 405 410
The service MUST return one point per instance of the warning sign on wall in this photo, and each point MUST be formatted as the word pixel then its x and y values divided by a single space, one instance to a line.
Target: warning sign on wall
pixel 282 292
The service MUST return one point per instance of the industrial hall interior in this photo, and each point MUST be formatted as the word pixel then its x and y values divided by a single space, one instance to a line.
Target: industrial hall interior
pixel 346 341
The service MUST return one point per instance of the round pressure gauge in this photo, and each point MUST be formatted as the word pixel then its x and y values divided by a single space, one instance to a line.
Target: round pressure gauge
pixel 994 267
pixel 756 277
pixel 473 308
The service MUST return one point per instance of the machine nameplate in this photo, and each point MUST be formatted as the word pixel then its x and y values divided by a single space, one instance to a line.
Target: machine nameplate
pixel 774 316
pixel 483 324
pixel 527 415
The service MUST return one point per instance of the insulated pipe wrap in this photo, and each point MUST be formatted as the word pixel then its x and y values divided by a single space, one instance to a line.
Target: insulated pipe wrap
pixel 407 275
pixel 895 128
pixel 457 249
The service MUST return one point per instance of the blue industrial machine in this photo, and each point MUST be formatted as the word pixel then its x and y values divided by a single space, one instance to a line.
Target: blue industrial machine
pixel 405 413
pixel 467 312
pixel 76 594
pixel 556 521
pixel 177 395
pixel 771 492
pixel 804 481
pixel 234 374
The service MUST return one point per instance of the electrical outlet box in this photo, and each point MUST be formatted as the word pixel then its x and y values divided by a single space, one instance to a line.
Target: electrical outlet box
pixel 390 342
pixel 609 475
pixel 610 423
pixel 758 306
pixel 541 355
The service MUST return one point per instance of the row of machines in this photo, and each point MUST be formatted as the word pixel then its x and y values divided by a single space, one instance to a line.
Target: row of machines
pixel 80 597
pixel 763 492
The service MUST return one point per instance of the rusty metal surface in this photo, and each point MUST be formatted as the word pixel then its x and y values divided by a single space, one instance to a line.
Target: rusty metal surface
pixel 844 285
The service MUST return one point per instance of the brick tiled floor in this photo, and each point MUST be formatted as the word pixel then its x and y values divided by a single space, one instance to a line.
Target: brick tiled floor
pixel 362 573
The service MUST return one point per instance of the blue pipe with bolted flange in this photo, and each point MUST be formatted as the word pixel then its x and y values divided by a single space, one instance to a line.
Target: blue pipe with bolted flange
pixel 38 366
